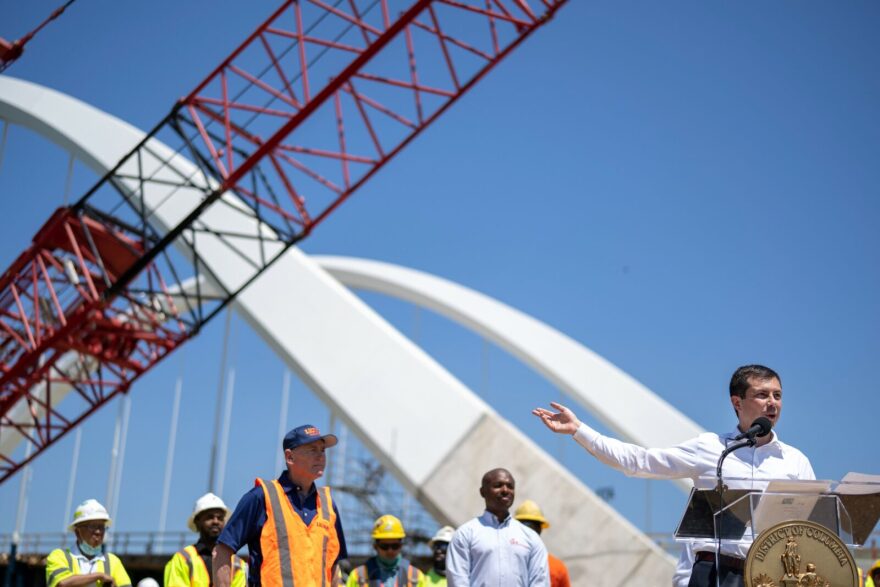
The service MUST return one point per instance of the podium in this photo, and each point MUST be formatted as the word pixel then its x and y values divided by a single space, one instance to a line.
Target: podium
pixel 790 533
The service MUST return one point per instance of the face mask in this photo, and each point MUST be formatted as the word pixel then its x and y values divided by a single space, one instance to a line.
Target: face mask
pixel 89 550
pixel 389 563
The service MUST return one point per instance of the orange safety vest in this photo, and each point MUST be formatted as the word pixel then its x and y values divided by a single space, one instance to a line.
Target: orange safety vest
pixel 296 555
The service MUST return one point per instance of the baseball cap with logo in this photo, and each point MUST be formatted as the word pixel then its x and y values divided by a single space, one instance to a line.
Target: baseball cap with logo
pixel 307 434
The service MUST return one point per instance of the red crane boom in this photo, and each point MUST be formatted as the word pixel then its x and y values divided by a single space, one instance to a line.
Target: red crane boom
pixel 296 119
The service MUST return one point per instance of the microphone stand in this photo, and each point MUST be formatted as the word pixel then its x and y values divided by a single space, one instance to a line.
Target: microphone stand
pixel 750 440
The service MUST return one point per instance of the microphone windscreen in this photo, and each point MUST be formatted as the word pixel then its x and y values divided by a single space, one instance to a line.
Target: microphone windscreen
pixel 765 425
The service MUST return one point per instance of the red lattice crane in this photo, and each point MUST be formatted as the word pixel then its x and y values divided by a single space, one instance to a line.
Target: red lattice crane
pixel 306 110
pixel 10 51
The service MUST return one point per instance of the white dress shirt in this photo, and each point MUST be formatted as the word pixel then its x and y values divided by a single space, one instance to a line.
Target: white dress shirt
pixel 487 553
pixel 694 459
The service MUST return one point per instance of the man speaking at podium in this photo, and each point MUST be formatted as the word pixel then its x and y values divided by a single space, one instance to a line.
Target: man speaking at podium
pixel 755 392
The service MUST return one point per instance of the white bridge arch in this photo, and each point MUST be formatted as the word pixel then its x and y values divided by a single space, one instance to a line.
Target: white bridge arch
pixel 384 368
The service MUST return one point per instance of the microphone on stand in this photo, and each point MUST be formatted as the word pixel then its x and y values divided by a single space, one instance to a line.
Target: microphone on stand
pixel 760 427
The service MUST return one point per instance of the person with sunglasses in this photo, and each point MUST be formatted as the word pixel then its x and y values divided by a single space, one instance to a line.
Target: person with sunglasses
pixel 89 563
pixel 388 568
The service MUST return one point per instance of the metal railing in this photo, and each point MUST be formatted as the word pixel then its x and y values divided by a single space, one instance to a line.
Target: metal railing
pixel 166 543
pixel 146 542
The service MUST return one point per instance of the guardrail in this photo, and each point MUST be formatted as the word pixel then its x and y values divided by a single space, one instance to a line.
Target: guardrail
pixel 147 542
pixel 159 543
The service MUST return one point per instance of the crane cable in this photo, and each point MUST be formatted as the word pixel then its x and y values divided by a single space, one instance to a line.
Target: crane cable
pixel 9 52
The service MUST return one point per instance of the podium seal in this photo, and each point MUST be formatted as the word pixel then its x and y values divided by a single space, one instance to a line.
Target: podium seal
pixel 799 554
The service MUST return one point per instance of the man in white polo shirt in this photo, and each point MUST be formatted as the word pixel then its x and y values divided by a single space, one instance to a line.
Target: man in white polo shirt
pixel 755 391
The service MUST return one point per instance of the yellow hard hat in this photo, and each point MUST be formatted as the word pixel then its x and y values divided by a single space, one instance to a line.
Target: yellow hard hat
pixel 529 511
pixel 387 527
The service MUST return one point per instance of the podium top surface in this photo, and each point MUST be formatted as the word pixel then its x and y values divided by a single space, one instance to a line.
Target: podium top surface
pixel 852 503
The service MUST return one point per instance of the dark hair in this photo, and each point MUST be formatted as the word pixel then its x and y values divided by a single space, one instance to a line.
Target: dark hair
pixel 739 382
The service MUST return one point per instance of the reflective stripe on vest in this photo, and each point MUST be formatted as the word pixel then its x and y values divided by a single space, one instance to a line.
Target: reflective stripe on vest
pixel 187 558
pixel 190 554
pixel 363 577
pixel 284 532
pixel 406 575
pixel 106 566
pixel 192 558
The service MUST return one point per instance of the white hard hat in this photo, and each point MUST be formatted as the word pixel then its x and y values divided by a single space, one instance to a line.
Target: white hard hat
pixel 444 534
pixel 148 582
pixel 88 510
pixel 209 501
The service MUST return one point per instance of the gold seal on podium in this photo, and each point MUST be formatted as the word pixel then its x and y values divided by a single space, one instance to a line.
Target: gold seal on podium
pixel 799 554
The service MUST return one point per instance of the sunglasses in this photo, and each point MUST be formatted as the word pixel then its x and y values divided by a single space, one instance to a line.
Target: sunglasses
pixel 93 527
pixel 389 545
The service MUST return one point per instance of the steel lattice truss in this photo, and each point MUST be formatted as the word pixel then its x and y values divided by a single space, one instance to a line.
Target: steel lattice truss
pixel 295 120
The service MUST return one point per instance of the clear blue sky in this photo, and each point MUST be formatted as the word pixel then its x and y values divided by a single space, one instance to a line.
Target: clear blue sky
pixel 683 187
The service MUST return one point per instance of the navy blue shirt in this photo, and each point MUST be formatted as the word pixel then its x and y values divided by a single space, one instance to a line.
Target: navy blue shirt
pixel 246 522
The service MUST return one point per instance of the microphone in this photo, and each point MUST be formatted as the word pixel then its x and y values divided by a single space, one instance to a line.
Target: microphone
pixel 760 427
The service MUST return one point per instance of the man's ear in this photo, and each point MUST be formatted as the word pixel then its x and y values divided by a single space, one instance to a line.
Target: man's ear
pixel 736 401
pixel 482 492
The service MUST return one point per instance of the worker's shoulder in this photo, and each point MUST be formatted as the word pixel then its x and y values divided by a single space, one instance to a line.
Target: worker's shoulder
pixel 113 558
pixel 255 493
pixel 182 554
pixel 57 554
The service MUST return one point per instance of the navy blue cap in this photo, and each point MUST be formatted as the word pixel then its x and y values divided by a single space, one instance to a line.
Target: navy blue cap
pixel 306 434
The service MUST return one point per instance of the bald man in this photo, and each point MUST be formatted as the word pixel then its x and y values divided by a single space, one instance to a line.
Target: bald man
pixel 494 549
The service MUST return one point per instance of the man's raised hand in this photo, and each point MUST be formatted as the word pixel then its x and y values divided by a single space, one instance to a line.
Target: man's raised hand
pixel 562 421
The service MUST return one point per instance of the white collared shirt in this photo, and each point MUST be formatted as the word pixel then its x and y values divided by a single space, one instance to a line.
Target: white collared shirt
pixel 87 565
pixel 697 458
pixel 486 552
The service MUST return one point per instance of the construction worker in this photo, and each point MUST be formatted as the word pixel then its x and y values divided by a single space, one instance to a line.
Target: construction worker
pixel 388 568
pixel 291 527
pixel 530 514
pixel 436 575
pixel 88 563
pixel 190 567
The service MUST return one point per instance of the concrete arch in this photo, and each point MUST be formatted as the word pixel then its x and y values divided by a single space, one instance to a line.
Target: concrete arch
pixel 384 368
pixel 631 410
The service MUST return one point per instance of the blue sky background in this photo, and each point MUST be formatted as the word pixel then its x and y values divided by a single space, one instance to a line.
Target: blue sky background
pixel 683 187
